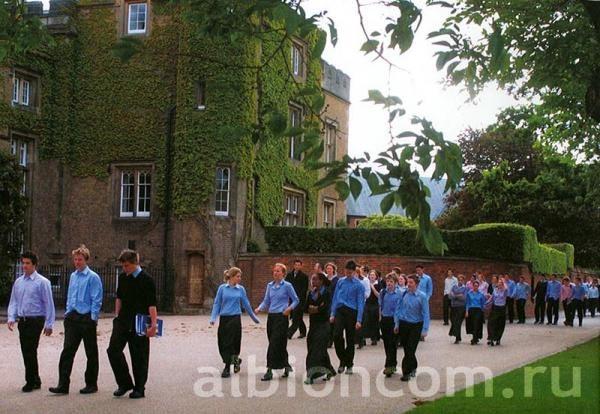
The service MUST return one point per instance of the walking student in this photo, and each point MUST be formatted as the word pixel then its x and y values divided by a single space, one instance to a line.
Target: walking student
pixel 522 292
pixel 136 294
pixel 538 296
pixel 511 288
pixel 552 299
pixel 298 279
pixel 84 301
pixel 458 301
pixel 474 313
pixel 279 302
pixel 347 310
pixel 31 307
pixel 565 298
pixel 371 327
pixel 449 283
pixel 229 300
pixel 577 299
pixel 388 303
pixel 497 319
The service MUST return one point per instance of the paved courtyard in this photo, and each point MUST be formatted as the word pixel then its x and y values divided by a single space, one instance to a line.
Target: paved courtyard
pixel 184 367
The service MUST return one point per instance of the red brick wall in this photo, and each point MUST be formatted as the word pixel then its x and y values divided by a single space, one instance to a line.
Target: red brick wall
pixel 257 269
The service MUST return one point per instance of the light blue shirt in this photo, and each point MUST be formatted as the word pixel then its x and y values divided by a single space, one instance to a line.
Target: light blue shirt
pixel 85 293
pixel 426 285
pixel 512 287
pixel 522 291
pixel 578 292
pixel 498 297
pixel 278 297
pixel 553 289
pixel 136 272
pixel 593 292
pixel 229 301
pixel 475 299
pixel 349 292
pixel 388 301
pixel 413 308
pixel 32 296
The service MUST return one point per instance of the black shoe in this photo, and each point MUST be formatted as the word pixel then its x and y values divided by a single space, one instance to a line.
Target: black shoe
pixel 137 394
pixel 446 324
pixel 286 372
pixel 268 376
pixel 60 389
pixel 405 378
pixel 457 341
pixel 226 373
pixel 119 392
pixel 341 369
pixel 549 323
pixel 360 346
pixel 31 387
pixel 89 389
pixel 373 342
pixel 490 343
pixel 290 336
pixel 498 342
pixel 349 371
pixel 302 336
pixel 236 365
pixel 474 342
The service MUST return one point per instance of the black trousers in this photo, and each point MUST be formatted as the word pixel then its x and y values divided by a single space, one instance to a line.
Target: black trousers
pixel 370 328
pixel 390 341
pixel 521 310
pixel 318 363
pixel 510 307
pixel 457 316
pixel 475 323
pixel 139 349
pixel 77 328
pixel 576 305
pixel 540 310
pixel 593 306
pixel 568 310
pixel 345 322
pixel 446 308
pixel 229 338
pixel 496 323
pixel 409 334
pixel 552 310
pixel 297 321
pixel 359 336
pixel 30 330
pixel 277 355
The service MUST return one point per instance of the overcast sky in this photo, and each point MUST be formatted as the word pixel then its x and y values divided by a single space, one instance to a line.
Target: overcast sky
pixel 419 86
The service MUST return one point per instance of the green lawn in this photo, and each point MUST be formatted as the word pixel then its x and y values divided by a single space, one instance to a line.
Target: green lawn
pixel 542 399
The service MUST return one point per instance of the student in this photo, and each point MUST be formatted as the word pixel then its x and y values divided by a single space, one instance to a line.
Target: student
pixel 402 282
pixel 347 310
pixel 449 283
pixel 593 297
pixel 230 298
pixel 371 326
pixel 280 300
pixel 522 291
pixel 565 298
pixel 483 284
pixel 576 300
pixel 425 285
pixel 552 299
pixel 492 285
pixel 318 307
pixel 388 302
pixel 84 301
pixel 511 288
pixel 363 277
pixel 299 281
pixel 538 296
pixel 411 322
pixel 332 276
pixel 474 313
pixel 136 294
pixel 31 306
pixel 458 300
pixel 497 319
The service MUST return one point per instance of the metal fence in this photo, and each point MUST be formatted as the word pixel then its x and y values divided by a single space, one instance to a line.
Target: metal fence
pixel 59 279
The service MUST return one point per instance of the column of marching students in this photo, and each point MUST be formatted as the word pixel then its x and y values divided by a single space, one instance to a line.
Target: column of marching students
pixel 344 311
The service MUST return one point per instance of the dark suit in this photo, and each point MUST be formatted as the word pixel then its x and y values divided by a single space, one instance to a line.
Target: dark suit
pixel 299 281
pixel 539 293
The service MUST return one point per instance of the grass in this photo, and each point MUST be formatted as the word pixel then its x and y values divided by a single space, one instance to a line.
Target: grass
pixel 542 398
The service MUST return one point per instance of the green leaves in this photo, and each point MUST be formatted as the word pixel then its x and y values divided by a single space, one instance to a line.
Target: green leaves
pixel 126 48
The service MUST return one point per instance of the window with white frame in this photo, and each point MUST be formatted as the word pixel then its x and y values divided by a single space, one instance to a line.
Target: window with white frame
pixel 293 208
pixel 295 122
pixel 223 185
pixel 23 90
pixel 19 148
pixel 135 193
pixel 137 18
pixel 328 213
pixel 330 138
pixel 297 59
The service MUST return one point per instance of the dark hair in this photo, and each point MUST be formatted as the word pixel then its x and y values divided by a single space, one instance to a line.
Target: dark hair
pixel 297 261
pixel 350 265
pixel 129 256
pixel 31 256
pixel 366 268
pixel 419 266
pixel 413 277
pixel 397 270
pixel 323 277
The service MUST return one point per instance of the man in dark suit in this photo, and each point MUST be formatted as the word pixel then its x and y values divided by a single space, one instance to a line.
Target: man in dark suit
pixel 299 281
pixel 539 295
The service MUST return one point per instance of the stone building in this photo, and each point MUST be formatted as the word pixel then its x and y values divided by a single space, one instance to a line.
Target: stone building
pixel 159 153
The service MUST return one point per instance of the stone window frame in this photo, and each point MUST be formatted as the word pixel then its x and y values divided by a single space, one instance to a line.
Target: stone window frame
pixel 298 50
pixel 118 169
pixel 21 77
pixel 295 140
pixel 22 146
pixel 227 212
pixel 300 211
pixel 123 10
pixel 330 202
pixel 330 151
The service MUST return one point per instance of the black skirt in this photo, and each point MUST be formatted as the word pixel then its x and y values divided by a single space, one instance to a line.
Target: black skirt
pixel 277 330
pixel 317 359
pixel 457 316
pixel 229 337
pixel 371 327
pixel 496 323
pixel 475 323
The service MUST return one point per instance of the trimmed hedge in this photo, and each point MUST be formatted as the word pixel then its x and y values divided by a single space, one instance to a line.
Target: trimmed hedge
pixel 569 250
pixel 496 241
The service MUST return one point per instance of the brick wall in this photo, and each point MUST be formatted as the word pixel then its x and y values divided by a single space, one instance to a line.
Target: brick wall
pixel 257 269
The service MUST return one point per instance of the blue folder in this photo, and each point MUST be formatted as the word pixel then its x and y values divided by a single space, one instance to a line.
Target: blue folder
pixel 143 322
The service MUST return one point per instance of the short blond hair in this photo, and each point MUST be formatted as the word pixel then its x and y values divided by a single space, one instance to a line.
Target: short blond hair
pixel 83 251
pixel 232 272
pixel 282 267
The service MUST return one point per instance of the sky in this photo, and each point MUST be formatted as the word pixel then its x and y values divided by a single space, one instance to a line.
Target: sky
pixel 419 84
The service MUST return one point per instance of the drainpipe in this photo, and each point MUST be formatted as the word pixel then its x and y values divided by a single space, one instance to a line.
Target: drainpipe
pixel 169 277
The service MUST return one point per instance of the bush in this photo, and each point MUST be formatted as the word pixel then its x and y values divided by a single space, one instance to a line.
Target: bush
pixel 252 247
pixel 387 222
pixel 569 250
pixel 496 241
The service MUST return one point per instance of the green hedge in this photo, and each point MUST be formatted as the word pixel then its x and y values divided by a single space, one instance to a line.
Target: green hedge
pixel 497 241
pixel 569 250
